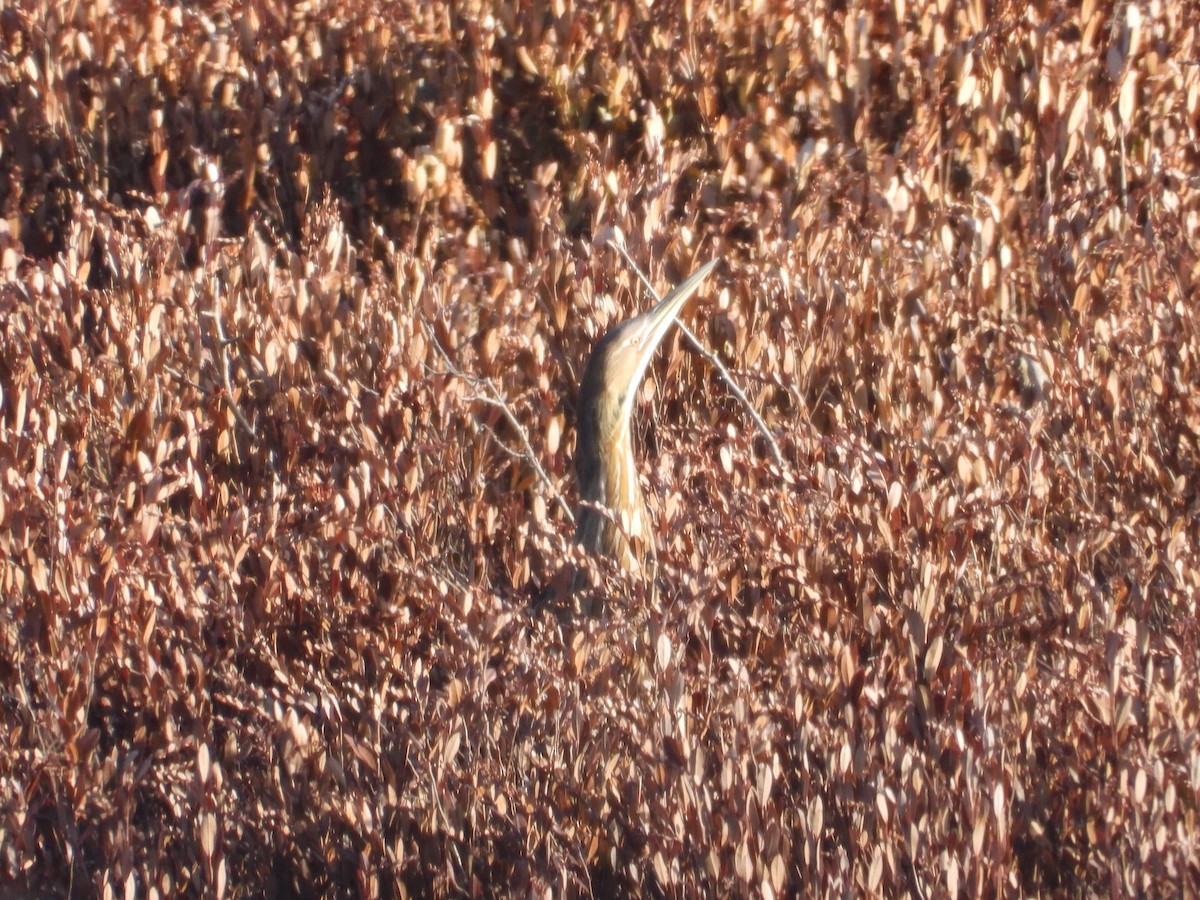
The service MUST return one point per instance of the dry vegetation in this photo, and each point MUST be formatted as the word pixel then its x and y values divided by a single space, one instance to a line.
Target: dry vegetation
pixel 278 571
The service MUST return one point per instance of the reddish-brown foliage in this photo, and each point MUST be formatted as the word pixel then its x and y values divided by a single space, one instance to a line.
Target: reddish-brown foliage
pixel 276 566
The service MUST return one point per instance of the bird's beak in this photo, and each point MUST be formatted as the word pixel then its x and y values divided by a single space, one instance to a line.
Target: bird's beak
pixel 657 320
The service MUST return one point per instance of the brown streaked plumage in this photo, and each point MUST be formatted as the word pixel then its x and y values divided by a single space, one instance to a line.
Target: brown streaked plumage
pixel 612 514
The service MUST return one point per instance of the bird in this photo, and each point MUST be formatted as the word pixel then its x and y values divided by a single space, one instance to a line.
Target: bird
pixel 611 519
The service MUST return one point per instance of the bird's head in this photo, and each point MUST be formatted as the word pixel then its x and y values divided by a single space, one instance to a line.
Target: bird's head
pixel 621 357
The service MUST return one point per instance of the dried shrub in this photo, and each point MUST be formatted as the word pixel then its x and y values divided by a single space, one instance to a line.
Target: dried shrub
pixel 279 575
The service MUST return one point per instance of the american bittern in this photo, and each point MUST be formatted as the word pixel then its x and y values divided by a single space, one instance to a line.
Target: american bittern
pixel 612 515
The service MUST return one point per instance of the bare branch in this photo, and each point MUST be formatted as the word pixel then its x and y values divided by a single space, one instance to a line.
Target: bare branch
pixel 220 342
pixel 492 397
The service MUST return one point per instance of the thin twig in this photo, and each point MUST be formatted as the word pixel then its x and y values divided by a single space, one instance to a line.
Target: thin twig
pixel 712 359
pixel 492 397
pixel 220 342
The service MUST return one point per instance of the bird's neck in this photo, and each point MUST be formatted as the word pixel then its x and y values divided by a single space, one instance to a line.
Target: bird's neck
pixel 608 479
pixel 623 486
